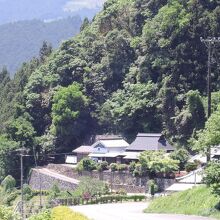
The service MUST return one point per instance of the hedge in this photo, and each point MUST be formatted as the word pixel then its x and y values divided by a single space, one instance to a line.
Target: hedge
pixel 98 200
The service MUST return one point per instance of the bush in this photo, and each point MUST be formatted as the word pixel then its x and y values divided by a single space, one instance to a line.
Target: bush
pixel 120 198
pixel 190 166
pixel 122 167
pixel 92 187
pixel 138 170
pixel 54 192
pixel 9 198
pixel 152 186
pixel 79 167
pixel 157 162
pixel 46 215
pixel 102 166
pixel 8 184
pixel 121 192
pixel 114 167
pixel 132 166
pixel 212 177
pixel 61 213
pixel 182 156
pixel 86 164
pixel 27 191
pixel 7 214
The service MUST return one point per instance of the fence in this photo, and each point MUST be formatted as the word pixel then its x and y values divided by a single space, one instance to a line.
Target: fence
pixel 34 208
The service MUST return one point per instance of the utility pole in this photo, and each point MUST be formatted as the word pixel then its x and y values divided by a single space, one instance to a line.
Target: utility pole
pixel 22 192
pixel 210 44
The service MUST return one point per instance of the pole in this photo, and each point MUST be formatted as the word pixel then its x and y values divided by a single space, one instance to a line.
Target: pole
pixel 40 192
pixel 209 78
pixel 209 91
pixel 210 43
pixel 22 193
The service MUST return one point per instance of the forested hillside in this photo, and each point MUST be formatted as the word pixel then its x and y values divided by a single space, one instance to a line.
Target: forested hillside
pixel 138 67
pixel 20 41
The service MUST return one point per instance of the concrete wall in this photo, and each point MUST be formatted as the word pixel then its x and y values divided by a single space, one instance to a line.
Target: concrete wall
pixel 39 181
pixel 116 180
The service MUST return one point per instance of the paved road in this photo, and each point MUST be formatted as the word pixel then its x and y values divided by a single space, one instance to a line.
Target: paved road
pixel 127 211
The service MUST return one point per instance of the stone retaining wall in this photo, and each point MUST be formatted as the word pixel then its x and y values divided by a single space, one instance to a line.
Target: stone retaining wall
pixel 42 181
pixel 117 180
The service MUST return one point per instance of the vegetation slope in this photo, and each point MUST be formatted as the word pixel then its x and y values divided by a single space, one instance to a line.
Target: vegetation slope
pixel 197 201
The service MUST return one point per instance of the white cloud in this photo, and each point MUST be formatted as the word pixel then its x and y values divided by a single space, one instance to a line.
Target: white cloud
pixel 75 5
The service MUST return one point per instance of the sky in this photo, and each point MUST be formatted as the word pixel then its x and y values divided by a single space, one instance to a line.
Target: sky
pixel 75 5
pixel 16 10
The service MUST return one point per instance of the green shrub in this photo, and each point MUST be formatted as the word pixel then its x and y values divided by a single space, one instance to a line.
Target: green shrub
pixel 190 166
pixel 152 186
pixel 91 186
pixel 86 164
pixel 79 168
pixel 8 184
pixel 136 198
pixel 27 191
pixel 121 192
pixel 122 167
pixel 7 214
pixel 132 166
pixel 212 177
pixel 102 166
pixel 138 170
pixel 9 198
pixel 114 167
pixel 120 198
pixel 182 156
pixel 54 192
pixel 157 162
pixel 46 215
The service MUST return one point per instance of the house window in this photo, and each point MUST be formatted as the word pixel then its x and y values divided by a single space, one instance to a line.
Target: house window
pixel 99 148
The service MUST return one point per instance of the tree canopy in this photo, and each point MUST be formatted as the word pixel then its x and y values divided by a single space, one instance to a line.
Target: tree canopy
pixel 138 66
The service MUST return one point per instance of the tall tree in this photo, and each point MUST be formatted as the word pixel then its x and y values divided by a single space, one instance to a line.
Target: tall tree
pixel 45 51
pixel 70 118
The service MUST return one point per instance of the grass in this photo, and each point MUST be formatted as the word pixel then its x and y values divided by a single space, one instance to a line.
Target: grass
pixel 197 201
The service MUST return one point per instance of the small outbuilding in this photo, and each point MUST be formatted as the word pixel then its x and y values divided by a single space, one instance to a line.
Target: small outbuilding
pixel 82 151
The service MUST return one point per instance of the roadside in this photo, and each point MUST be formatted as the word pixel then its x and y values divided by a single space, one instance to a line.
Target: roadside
pixel 127 211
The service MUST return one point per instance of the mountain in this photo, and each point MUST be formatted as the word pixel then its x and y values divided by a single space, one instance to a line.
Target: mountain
pixel 20 41
pixel 139 66
pixel 17 10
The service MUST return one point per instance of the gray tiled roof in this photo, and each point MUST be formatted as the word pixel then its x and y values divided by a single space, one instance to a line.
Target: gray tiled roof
pixel 83 149
pixel 146 141
pixel 107 137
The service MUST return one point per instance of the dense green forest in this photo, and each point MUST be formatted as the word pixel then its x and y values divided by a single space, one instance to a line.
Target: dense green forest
pixel 20 41
pixel 139 66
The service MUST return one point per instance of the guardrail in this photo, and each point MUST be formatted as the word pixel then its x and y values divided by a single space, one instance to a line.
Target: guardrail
pixel 193 173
